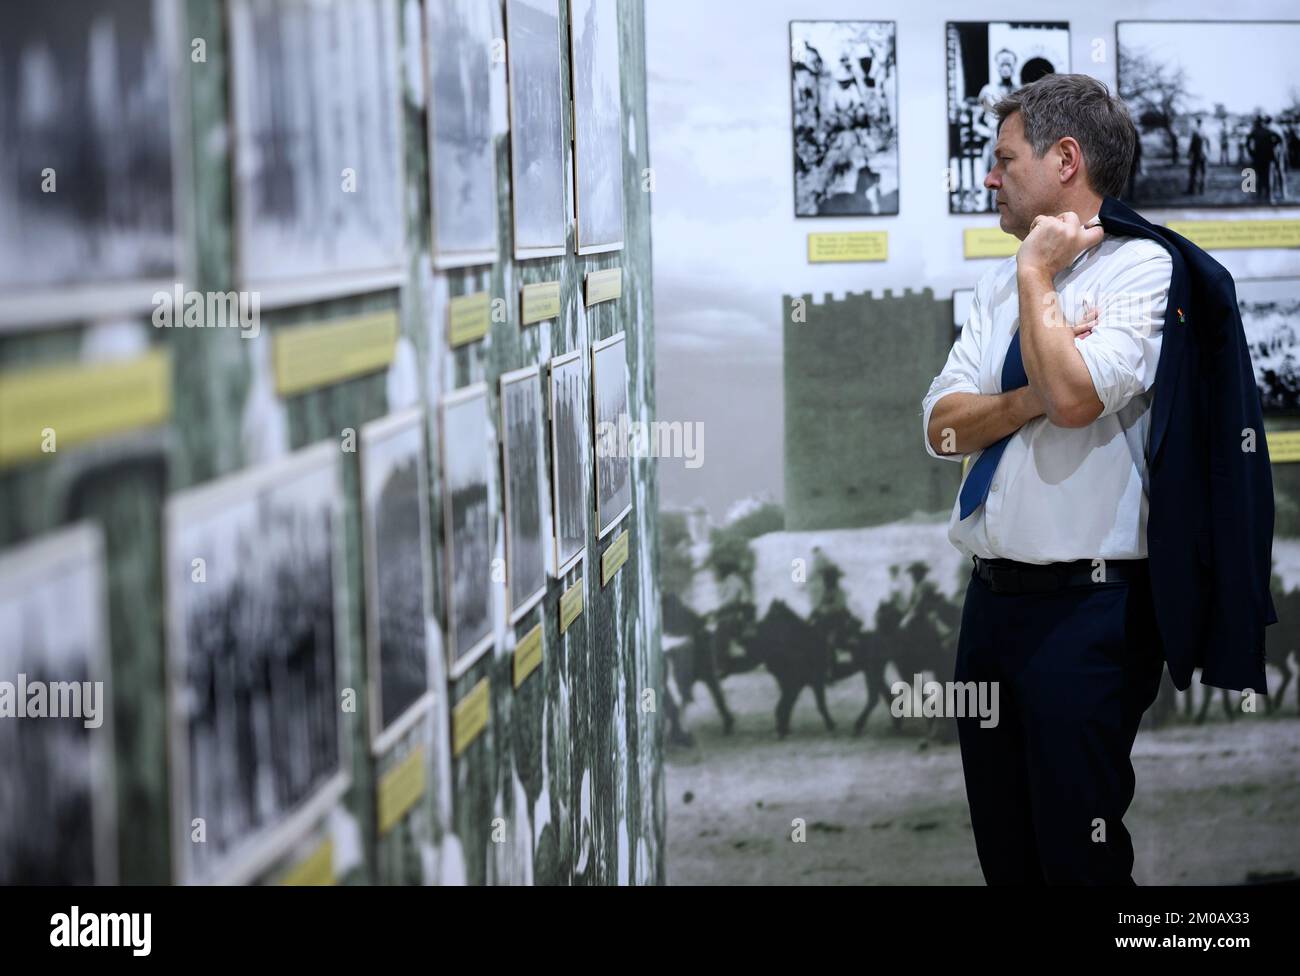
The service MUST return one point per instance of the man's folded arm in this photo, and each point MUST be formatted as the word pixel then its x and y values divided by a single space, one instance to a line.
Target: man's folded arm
pixel 956 417
pixel 1123 350
pixel 961 422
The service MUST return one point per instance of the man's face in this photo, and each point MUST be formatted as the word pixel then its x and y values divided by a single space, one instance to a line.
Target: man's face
pixel 1026 187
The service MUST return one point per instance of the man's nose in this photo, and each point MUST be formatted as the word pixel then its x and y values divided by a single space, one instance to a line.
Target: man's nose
pixel 991 182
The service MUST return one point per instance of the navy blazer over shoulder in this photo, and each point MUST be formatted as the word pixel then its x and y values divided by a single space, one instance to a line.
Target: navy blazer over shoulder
pixel 1210 515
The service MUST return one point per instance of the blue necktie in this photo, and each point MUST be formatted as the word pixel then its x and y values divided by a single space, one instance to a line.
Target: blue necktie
pixel 976 486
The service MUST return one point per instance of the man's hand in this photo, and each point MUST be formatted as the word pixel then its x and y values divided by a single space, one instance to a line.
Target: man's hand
pixel 1053 243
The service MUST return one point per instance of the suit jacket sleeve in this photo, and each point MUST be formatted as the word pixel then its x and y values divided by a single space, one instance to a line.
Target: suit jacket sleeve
pixel 1241 499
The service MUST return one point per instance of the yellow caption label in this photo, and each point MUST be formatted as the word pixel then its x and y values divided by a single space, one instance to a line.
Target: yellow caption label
pixel 862 245
pixel 470 717
pixel 400 788
pixel 570 605
pixel 469 318
pixel 1223 235
pixel 317 868
pixel 604 286
pixel 988 242
pixel 44 409
pixel 528 655
pixel 309 356
pixel 1283 446
pixel 540 301
pixel 613 557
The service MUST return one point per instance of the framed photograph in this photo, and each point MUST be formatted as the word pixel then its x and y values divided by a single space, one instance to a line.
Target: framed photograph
pixel 569 425
pixel 609 411
pixel 58 820
pixel 1270 316
pixel 467 455
pixel 961 302
pixel 1217 111
pixel 394 499
pixel 988 60
pixel 536 127
pixel 258 751
pixel 462 156
pixel 844 109
pixel 94 160
pixel 598 121
pixel 317 151
pixel 523 463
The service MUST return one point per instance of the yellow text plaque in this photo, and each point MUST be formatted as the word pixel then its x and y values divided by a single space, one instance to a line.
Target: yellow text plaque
pixel 604 286
pixel 317 868
pixel 1283 446
pixel 613 558
pixel 988 242
pixel 1224 235
pixel 571 605
pixel 400 788
pixel 540 301
pixel 468 318
pixel 470 717
pixel 528 655
pixel 309 356
pixel 860 245
pixel 46 408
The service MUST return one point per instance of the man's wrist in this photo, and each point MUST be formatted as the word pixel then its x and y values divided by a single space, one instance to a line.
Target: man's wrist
pixel 1026 405
pixel 1028 271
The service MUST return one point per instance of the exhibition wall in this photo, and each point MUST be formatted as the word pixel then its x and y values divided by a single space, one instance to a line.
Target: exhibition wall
pixel 311 316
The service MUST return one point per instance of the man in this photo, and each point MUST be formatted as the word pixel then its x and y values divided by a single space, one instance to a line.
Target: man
pixel 986 117
pixel 1196 162
pixel 1261 146
pixel 1058 609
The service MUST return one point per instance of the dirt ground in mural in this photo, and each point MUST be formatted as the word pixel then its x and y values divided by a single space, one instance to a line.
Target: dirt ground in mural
pixel 1216 803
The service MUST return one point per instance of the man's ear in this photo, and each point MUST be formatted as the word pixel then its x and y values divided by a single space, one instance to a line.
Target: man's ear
pixel 1071 157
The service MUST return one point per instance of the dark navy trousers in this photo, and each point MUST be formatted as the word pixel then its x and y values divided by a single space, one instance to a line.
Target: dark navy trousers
pixel 1048 785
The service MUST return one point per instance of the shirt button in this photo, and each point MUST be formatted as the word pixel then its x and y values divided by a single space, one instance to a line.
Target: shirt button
pixel 995 487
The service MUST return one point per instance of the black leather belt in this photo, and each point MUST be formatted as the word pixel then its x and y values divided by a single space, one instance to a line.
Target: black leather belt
pixel 1010 576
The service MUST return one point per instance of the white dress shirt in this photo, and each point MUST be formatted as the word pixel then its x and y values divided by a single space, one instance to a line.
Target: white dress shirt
pixel 1065 493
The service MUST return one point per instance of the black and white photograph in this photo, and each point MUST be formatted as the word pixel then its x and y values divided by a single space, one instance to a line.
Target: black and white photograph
pixel 610 415
pixel 393 505
pixel 1270 316
pixel 467 456
pixel 536 127
pixel 60 827
pixel 598 122
pixel 257 747
pixel 523 454
pixel 88 121
pixel 462 156
pixel 317 147
pixel 986 62
pixel 1217 106
pixel 570 422
pixel 844 91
